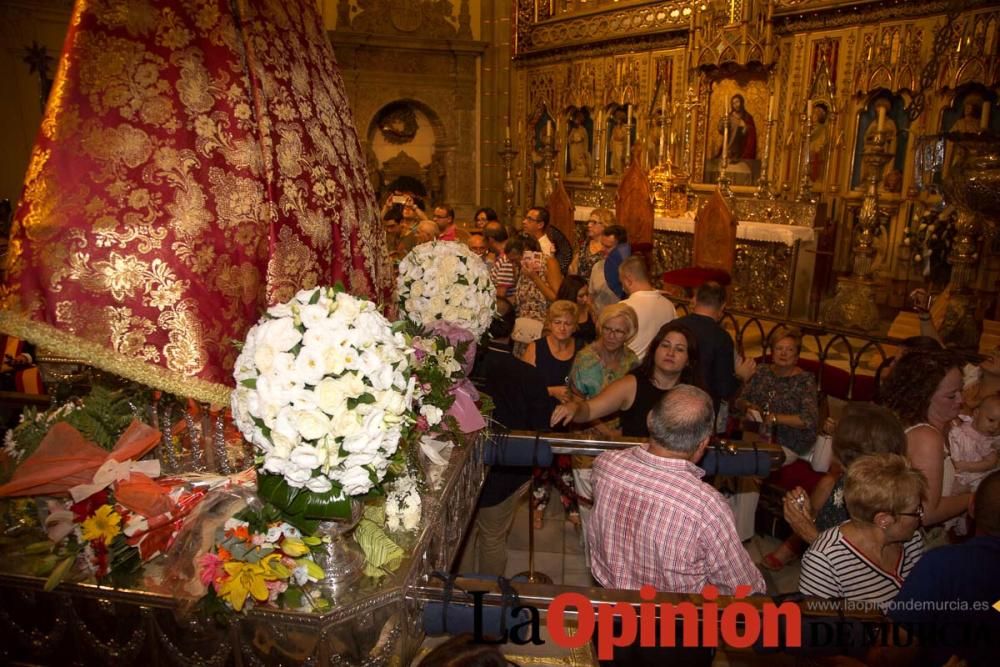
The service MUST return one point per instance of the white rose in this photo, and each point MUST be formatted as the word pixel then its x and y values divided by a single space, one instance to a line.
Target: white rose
pixel 275 464
pixel 432 413
pixel 263 357
pixel 310 365
pixel 348 307
pixel 345 424
pixel 312 424
pixel 355 481
pixel 296 476
pixel 362 441
pixel 280 310
pixel 306 456
pixel 313 315
pixel 319 484
pixel 281 334
pixel 281 445
pixel 353 385
pixel 330 396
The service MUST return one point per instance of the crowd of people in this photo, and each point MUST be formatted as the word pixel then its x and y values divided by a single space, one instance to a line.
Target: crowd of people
pixel 585 342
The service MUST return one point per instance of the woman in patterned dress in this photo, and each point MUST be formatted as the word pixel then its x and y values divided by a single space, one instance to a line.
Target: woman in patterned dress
pixel 591 251
pixel 784 394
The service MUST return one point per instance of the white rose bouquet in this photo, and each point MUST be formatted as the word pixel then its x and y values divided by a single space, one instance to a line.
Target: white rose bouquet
pixel 445 281
pixel 324 391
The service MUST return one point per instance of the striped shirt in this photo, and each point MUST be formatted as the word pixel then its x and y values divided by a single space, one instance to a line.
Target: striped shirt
pixel 655 522
pixel 502 273
pixel 835 568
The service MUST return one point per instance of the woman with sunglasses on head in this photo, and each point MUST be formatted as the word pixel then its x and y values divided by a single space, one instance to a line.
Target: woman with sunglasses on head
pixel 867 557
pixel 672 359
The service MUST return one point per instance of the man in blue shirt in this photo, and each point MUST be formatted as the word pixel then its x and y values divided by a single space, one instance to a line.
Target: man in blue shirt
pixel 946 602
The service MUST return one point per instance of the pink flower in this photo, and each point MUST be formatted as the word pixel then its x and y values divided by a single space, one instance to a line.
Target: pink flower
pixel 210 568
pixel 422 424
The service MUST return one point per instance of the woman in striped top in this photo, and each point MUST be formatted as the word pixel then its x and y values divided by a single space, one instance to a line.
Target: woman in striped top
pixel 868 557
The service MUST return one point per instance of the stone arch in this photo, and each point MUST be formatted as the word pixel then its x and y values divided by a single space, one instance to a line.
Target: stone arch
pixel 431 172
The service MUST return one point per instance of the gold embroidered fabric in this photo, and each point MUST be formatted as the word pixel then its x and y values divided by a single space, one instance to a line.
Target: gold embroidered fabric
pixel 194 165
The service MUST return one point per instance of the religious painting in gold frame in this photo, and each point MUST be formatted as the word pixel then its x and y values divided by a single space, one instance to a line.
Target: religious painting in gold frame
pixel 737 114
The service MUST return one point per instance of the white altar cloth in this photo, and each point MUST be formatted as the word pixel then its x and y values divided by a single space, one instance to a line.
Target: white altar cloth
pixel 751 231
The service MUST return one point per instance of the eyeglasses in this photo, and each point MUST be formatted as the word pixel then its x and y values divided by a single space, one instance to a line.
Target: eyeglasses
pixel 609 331
pixel 478 251
pixel 441 217
pixel 919 514
pixel 594 222
pixel 528 217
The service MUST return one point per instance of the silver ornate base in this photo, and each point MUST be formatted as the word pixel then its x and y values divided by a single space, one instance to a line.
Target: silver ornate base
pixel 852 307
pixel 342 561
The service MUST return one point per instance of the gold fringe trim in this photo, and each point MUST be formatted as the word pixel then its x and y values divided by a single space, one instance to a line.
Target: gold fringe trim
pixel 88 352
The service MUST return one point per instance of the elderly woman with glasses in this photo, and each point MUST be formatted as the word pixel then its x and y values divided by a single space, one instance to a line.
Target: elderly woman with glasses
pixel 867 557
pixel 784 395
pixel 596 366
pixel 591 251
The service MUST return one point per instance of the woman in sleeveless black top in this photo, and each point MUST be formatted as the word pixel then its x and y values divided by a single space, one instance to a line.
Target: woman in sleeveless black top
pixel 672 359
pixel 552 355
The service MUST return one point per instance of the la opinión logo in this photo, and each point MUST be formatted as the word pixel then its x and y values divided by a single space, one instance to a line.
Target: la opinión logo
pixel 739 624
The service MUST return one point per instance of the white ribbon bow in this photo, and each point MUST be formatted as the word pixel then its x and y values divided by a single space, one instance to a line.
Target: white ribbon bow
pixel 114 471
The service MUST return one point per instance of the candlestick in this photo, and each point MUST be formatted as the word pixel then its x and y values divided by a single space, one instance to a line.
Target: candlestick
pixel 881 119
pixel 663 107
pixel 548 129
pixel 984 117
pixel 628 117
pixel 725 140
pixel 507 132
pixel 809 109
pixel 663 131
pixel 770 108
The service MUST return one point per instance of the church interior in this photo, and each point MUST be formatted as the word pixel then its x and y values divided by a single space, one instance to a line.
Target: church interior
pixel 834 163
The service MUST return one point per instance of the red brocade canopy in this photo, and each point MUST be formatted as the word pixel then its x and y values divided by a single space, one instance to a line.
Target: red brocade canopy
pixel 193 165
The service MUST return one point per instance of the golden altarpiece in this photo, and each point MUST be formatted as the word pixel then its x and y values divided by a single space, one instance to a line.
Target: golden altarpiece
pixel 827 124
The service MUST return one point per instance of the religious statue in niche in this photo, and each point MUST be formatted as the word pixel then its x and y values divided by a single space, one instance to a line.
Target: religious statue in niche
pixel 732 130
pixel 887 110
pixel 578 145
pixel 971 111
pixel 819 143
pixel 618 144
pixel 398 124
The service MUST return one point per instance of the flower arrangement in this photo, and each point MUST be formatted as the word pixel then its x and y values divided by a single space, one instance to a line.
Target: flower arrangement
pixel 402 505
pixel 931 243
pixel 445 281
pixel 437 368
pixel 260 559
pixel 91 536
pixel 324 392
pixel 100 416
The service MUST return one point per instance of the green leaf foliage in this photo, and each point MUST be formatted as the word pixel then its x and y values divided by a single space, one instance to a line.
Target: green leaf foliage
pixel 303 508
